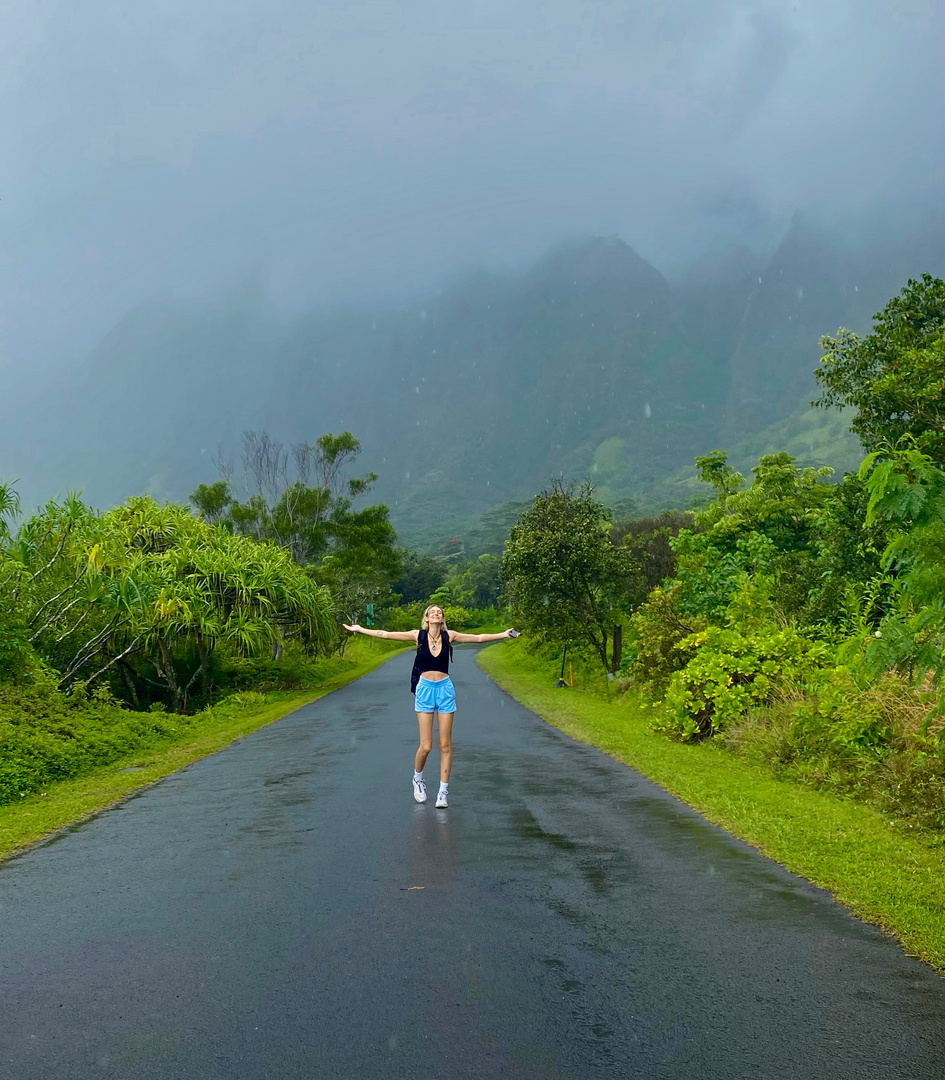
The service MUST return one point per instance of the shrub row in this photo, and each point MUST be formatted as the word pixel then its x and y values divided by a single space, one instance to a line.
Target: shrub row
pixel 45 736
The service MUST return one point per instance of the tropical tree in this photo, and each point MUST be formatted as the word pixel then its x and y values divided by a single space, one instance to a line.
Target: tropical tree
pixel 907 490
pixel 420 576
pixel 351 552
pixel 895 376
pixel 50 602
pixel 361 563
pixel 148 586
pixel 649 541
pixel 211 500
pixel 478 583
pixel 563 576
pixel 200 586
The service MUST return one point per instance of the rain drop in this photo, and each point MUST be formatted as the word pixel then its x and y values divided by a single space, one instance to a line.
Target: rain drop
pixel 647 411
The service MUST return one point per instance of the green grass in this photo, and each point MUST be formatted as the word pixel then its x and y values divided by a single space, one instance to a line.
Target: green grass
pixel 69 801
pixel 885 875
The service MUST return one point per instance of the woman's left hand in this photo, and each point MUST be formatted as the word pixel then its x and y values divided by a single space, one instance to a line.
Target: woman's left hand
pixel 511 632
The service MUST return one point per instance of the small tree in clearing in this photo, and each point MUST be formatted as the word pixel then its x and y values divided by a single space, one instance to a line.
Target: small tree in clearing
pixel 563 576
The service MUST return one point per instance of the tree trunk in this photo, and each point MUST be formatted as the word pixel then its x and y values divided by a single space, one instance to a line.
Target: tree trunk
pixel 130 686
pixel 170 676
pixel 617 651
pixel 204 654
pixel 601 647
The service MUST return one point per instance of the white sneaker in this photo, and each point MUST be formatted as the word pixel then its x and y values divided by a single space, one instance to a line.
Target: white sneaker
pixel 419 791
pixel 441 803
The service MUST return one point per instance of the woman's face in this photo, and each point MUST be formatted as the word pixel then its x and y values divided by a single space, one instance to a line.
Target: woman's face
pixel 434 614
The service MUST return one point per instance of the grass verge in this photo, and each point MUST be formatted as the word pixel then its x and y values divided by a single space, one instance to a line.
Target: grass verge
pixel 886 875
pixel 67 802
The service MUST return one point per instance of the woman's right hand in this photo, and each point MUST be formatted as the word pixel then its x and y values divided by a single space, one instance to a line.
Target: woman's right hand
pixel 351 629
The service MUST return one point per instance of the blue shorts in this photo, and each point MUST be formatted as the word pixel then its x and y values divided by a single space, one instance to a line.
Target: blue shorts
pixel 435 696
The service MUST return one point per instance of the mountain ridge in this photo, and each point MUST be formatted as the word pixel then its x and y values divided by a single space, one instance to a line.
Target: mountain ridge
pixel 589 363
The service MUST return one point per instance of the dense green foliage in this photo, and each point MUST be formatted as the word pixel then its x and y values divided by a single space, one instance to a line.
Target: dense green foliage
pixel 907 491
pixel 895 376
pixel 46 736
pixel 564 576
pixel 146 593
pixel 792 616
pixel 420 577
pixel 349 551
pixel 117 627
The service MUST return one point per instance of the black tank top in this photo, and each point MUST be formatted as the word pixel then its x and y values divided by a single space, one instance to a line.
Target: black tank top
pixel 429 662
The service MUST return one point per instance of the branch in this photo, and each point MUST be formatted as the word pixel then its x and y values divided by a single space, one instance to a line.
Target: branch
pixel 58 615
pixel 133 647
pixel 62 637
pixel 56 554
pixel 58 596
pixel 140 675
pixel 91 648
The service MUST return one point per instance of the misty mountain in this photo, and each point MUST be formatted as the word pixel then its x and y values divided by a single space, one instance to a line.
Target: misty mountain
pixel 591 363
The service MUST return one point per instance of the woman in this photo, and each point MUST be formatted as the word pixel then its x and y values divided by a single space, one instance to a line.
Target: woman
pixel 434 690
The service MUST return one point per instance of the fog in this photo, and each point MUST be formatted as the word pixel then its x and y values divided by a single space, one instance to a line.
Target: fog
pixel 363 152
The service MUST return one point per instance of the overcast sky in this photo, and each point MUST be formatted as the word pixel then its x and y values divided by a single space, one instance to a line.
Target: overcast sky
pixel 349 149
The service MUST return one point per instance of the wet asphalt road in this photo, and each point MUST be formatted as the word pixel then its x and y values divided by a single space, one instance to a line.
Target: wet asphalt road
pixel 284 909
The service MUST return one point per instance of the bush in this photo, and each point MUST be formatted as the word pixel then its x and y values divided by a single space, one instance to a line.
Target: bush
pixel 291 672
pixel 653 649
pixel 865 743
pixel 731 672
pixel 46 736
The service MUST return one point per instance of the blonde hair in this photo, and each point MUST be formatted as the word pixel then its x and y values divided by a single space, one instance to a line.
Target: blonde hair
pixel 425 622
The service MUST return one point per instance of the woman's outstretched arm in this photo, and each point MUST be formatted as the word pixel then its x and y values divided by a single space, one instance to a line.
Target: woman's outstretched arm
pixel 390 635
pixel 454 636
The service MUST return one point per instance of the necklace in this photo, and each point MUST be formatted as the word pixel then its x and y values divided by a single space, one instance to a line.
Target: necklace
pixel 434 646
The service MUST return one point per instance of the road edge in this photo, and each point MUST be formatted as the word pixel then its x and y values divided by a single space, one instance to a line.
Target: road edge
pixel 882 876
pixel 66 804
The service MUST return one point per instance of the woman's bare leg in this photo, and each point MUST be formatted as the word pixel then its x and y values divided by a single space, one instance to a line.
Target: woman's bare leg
pixel 425 721
pixel 444 724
